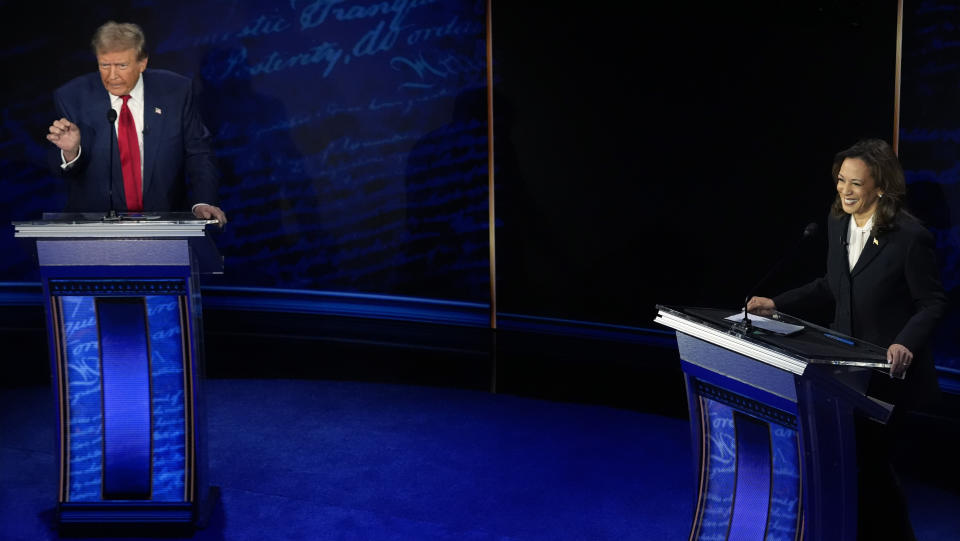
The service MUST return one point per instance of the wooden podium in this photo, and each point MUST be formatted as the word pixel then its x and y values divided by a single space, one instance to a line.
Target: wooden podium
pixel 772 420
pixel 126 347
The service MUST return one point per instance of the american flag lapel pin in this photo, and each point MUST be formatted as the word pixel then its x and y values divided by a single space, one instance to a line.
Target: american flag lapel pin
pixel 157 110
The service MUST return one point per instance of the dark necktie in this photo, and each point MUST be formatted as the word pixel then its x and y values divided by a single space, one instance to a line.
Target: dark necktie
pixel 129 158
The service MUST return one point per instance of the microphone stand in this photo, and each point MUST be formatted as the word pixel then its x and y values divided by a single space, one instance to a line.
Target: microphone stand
pixel 112 214
pixel 745 325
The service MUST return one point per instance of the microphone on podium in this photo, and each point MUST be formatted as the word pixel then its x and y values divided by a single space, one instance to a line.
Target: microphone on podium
pixel 809 231
pixel 112 214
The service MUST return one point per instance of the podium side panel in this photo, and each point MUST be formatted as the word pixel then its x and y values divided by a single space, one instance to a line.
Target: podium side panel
pixel 198 490
pixel 171 427
pixel 830 501
pixel 743 417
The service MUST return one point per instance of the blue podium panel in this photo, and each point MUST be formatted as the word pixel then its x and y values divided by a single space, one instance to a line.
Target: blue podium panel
pixel 80 400
pixel 125 378
pixel 785 494
pixel 125 336
pixel 772 426
pixel 750 486
pixel 125 373
pixel 168 375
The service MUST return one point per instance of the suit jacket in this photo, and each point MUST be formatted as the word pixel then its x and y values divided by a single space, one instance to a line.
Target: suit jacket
pixel 176 146
pixel 893 295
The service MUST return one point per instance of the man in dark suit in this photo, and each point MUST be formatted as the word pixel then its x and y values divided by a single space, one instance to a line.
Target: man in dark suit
pixel 159 151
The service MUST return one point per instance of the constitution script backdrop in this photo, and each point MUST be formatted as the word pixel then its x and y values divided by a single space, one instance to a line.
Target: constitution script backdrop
pixel 669 156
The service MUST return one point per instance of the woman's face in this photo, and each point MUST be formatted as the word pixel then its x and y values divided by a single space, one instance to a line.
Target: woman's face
pixel 858 191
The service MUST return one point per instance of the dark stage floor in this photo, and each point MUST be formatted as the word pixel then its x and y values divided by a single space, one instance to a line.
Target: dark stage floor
pixel 323 460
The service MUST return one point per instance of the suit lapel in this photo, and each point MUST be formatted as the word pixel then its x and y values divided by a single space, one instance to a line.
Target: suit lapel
pixel 840 272
pixel 153 127
pixel 96 107
pixel 844 231
pixel 873 248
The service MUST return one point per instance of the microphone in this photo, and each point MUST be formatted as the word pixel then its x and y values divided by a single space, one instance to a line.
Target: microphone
pixel 809 231
pixel 111 118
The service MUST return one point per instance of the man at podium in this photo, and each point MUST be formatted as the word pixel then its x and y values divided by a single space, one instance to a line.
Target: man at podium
pixel 883 284
pixel 146 123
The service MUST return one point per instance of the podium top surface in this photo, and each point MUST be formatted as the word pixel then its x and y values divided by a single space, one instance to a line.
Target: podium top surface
pixel 125 225
pixel 814 344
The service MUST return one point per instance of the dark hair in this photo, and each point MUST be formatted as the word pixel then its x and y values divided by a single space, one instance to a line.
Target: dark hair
pixel 887 176
pixel 113 36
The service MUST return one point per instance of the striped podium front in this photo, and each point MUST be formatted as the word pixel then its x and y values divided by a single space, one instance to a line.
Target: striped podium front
pixel 125 335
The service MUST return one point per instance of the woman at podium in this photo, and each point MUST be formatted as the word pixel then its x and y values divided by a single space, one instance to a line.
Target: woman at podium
pixel 883 284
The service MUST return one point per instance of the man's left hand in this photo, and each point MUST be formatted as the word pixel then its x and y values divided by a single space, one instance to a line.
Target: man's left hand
pixel 899 358
pixel 210 212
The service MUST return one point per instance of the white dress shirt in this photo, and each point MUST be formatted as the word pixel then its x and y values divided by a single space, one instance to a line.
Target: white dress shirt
pixel 857 238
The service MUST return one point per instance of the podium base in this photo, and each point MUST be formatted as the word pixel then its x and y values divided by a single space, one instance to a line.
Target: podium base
pixel 136 519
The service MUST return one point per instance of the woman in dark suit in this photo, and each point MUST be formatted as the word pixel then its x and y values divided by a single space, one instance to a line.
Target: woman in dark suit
pixel 883 284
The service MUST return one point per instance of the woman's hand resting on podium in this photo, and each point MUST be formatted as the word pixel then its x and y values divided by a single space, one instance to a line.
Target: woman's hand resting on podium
pixel 899 358
pixel 761 306
pixel 898 355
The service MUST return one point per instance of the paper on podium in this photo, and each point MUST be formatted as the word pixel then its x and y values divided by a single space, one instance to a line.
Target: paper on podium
pixel 767 324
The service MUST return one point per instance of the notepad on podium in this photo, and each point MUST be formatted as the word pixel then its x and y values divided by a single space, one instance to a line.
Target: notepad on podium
pixel 771 325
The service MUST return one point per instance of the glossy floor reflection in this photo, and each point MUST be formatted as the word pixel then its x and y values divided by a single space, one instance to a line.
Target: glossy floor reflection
pixel 337 460
pixel 310 459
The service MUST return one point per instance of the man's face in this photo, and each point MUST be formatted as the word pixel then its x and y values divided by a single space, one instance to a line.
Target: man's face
pixel 120 70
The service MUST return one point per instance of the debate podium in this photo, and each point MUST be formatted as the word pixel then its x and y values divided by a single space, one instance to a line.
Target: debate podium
pixel 772 423
pixel 122 301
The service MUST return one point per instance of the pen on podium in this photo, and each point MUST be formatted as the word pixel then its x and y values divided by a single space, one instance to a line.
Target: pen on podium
pixel 839 339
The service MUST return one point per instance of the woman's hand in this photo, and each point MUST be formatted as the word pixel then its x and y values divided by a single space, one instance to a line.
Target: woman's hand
pixel 899 358
pixel 761 306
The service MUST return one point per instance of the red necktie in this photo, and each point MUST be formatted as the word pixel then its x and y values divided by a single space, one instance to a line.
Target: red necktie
pixel 129 158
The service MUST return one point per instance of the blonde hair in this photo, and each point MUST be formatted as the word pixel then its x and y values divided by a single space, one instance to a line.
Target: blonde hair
pixel 113 36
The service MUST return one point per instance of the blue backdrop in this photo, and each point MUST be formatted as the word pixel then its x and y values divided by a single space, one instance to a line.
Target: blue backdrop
pixel 930 144
pixel 352 138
